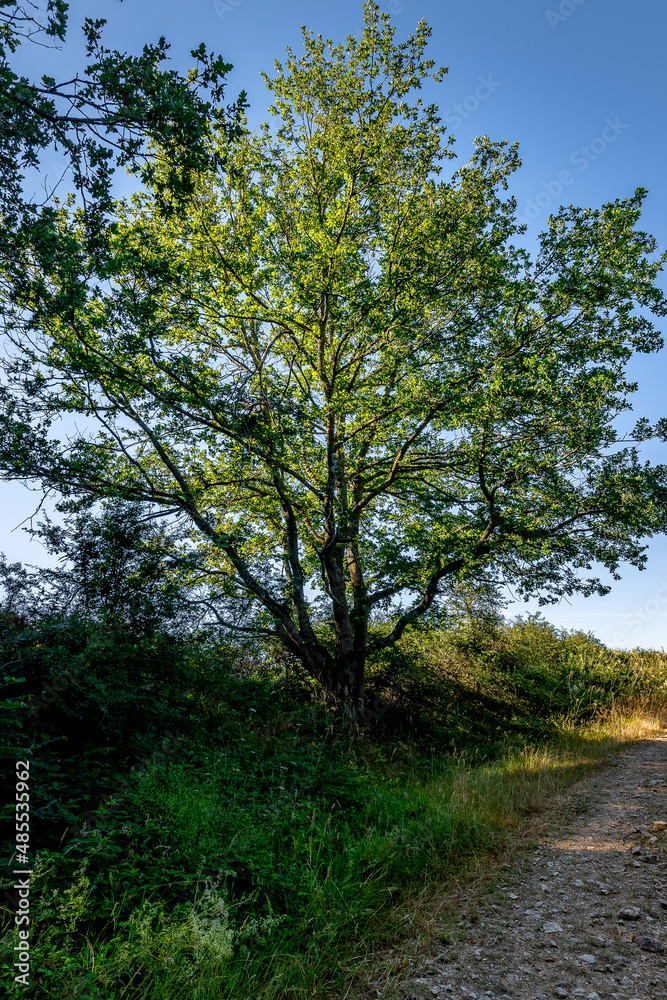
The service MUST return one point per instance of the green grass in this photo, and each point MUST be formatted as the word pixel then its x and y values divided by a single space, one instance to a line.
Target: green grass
pixel 259 847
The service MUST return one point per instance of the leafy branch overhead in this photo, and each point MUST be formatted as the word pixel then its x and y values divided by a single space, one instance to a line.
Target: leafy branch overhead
pixel 337 363
pixel 107 115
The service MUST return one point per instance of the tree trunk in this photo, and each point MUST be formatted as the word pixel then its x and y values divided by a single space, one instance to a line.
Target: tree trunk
pixel 344 686
pixel 342 679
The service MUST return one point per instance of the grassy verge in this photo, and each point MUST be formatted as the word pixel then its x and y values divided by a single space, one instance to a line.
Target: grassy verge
pixel 256 850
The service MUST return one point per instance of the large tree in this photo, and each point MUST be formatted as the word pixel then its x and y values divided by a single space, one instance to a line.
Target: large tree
pixel 340 367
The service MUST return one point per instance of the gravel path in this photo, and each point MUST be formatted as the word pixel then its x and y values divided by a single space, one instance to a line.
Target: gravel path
pixel 582 915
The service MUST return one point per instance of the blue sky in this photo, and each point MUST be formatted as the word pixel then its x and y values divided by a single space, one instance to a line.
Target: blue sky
pixel 579 83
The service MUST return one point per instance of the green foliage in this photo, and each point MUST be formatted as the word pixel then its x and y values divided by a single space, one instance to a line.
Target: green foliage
pixel 276 833
pixel 500 684
pixel 106 113
pixel 334 361
pixel 87 705
pixel 119 568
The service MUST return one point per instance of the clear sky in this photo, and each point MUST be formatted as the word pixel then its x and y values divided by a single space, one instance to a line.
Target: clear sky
pixel 579 83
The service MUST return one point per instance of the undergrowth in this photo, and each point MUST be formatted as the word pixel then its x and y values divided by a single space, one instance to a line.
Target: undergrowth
pixel 204 829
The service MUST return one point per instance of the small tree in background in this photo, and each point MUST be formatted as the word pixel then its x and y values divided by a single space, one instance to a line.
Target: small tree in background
pixel 475 609
pixel 119 570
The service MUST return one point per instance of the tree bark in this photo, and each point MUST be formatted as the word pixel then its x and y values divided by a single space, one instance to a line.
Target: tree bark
pixel 343 686
pixel 341 679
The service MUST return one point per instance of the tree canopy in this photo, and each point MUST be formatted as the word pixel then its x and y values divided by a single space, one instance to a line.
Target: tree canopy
pixel 337 363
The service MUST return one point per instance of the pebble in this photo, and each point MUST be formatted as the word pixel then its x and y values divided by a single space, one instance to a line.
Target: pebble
pixel 560 992
pixel 650 944
pixel 551 927
pixel 629 913
pixel 588 959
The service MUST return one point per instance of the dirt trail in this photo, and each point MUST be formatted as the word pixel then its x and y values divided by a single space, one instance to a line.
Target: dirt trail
pixel 582 915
